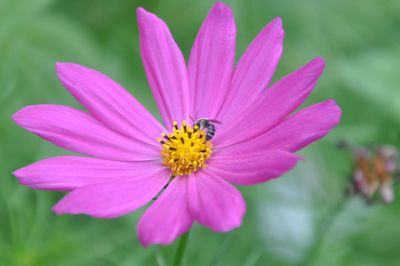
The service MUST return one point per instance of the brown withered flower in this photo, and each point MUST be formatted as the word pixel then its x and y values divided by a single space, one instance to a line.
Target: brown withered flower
pixel 375 171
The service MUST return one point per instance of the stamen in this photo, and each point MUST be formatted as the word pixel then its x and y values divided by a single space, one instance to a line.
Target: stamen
pixel 165 136
pixel 185 150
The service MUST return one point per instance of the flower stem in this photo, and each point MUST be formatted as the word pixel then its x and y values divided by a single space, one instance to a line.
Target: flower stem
pixel 181 249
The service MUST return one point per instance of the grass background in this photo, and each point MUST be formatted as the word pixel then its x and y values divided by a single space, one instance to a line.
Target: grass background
pixel 299 219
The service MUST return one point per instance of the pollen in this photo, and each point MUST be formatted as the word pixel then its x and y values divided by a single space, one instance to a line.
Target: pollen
pixel 185 150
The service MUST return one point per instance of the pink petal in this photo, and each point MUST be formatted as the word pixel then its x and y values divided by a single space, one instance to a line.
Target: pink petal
pixel 215 203
pixel 168 217
pixel 272 106
pixel 254 70
pixel 115 198
pixel 109 103
pixel 211 61
pixel 79 132
pixel 249 168
pixel 69 172
pixel 165 68
pixel 296 131
pixel 300 129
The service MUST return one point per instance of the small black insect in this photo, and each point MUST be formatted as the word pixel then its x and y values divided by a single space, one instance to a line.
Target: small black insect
pixel 205 123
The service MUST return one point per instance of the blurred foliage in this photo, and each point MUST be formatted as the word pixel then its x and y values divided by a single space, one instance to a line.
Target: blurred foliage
pixel 300 219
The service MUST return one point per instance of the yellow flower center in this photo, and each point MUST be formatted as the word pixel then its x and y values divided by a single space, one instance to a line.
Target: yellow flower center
pixel 185 150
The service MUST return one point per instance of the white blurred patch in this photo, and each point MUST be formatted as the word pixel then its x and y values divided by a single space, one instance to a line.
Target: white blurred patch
pixel 287 230
pixel 287 220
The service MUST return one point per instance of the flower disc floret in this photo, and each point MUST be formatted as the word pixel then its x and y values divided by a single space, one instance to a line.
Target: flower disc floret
pixel 186 149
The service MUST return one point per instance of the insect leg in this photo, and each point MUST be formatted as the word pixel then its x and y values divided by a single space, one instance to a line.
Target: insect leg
pixel 164 187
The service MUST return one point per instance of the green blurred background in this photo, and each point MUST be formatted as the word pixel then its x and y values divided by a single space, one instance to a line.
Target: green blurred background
pixel 299 219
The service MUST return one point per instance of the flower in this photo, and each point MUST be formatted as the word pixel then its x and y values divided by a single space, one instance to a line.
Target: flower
pixel 255 138
pixel 374 171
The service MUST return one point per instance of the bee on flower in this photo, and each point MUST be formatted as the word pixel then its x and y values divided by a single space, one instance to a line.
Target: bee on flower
pixel 188 168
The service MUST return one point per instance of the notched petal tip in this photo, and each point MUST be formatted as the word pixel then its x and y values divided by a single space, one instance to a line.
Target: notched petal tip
pixel 221 9
pixel 24 177
pixel 145 242
pixel 221 16
pixel 150 24
pixel 313 70
pixel 19 174
pixel 69 73
pixel 60 65
pixel 27 114
pixel 234 224
pixel 293 159
pixel 143 16
pixel 140 11
pixel 336 111
pixel 278 24
pixel 57 210
pixel 20 116
pixel 318 63
pixel 64 66
pixel 330 103
pixel 16 115
pixel 275 27
pixel 60 209
pixel 277 21
pixel 299 158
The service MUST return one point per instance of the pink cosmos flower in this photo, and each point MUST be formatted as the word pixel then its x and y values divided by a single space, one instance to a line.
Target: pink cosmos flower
pixel 126 167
